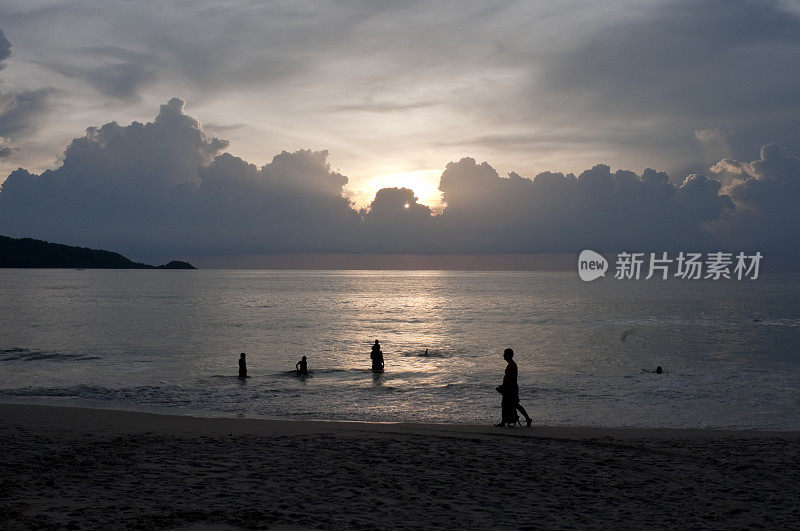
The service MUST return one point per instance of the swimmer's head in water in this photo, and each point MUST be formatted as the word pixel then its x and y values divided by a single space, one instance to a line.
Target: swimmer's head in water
pixel 659 370
pixel 508 354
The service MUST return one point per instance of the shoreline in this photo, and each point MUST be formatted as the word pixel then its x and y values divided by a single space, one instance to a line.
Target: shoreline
pixel 68 467
pixel 559 431
pixel 132 419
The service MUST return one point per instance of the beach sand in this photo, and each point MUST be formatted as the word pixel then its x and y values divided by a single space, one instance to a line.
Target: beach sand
pixel 64 467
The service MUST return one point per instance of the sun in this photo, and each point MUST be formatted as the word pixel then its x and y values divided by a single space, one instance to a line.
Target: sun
pixel 425 184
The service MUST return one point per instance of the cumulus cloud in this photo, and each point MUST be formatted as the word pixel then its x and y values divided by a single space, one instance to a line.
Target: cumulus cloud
pixel 305 171
pixel 162 187
pixel 397 223
pixel 766 192
pixel 293 204
pixel 167 188
pixel 563 213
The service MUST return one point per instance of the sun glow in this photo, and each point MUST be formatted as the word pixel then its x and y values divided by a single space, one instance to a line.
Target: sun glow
pixel 425 184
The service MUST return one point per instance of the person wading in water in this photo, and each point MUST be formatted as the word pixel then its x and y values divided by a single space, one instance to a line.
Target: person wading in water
pixel 377 357
pixel 302 366
pixel 242 366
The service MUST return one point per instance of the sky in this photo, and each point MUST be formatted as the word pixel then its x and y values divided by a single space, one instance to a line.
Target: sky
pixel 370 126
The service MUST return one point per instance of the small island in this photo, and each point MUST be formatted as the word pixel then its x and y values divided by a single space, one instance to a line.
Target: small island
pixel 31 253
pixel 176 264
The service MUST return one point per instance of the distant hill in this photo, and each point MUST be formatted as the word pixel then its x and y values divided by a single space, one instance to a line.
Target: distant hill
pixel 27 252
pixel 176 264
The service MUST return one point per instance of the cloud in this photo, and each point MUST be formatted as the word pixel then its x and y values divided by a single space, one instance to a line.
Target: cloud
pixel 531 85
pixel 397 223
pixel 293 204
pixel 5 49
pixel 305 171
pixel 112 71
pixel 120 80
pixel 163 187
pixel 5 149
pixel 766 193
pixel 664 70
pixel 166 188
pixel 563 213
pixel 713 143
pixel 21 110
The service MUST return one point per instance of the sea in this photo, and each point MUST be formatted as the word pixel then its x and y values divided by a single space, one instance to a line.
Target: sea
pixel 169 341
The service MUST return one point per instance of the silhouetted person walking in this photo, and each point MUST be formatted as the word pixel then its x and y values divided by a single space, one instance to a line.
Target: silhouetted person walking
pixel 301 366
pixel 510 391
pixel 377 357
pixel 242 366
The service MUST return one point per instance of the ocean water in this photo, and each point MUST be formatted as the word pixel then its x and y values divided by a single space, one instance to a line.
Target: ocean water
pixel 171 339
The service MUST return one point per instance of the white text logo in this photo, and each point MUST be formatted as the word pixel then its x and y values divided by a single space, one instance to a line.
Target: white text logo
pixel 686 266
pixel 591 265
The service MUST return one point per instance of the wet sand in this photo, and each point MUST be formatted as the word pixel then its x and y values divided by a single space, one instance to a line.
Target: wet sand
pixel 97 469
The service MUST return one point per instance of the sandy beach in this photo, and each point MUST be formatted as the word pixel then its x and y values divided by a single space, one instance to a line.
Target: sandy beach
pixel 78 468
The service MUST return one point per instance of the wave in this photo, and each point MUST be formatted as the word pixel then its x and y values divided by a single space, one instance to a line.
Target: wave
pixel 91 392
pixel 24 354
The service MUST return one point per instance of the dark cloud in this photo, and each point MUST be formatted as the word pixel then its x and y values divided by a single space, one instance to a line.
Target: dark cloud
pixel 766 192
pixel 563 213
pixel 165 188
pixel 20 110
pixel 116 185
pixel 119 80
pixel 305 171
pixel 293 204
pixel 161 188
pixel 115 72
pixel 5 151
pixel 5 49
pixel 693 56
pixel 397 223
pixel 676 67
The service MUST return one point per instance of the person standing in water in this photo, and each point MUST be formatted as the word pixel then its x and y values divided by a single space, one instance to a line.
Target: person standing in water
pixel 301 366
pixel 242 366
pixel 377 357
pixel 510 391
